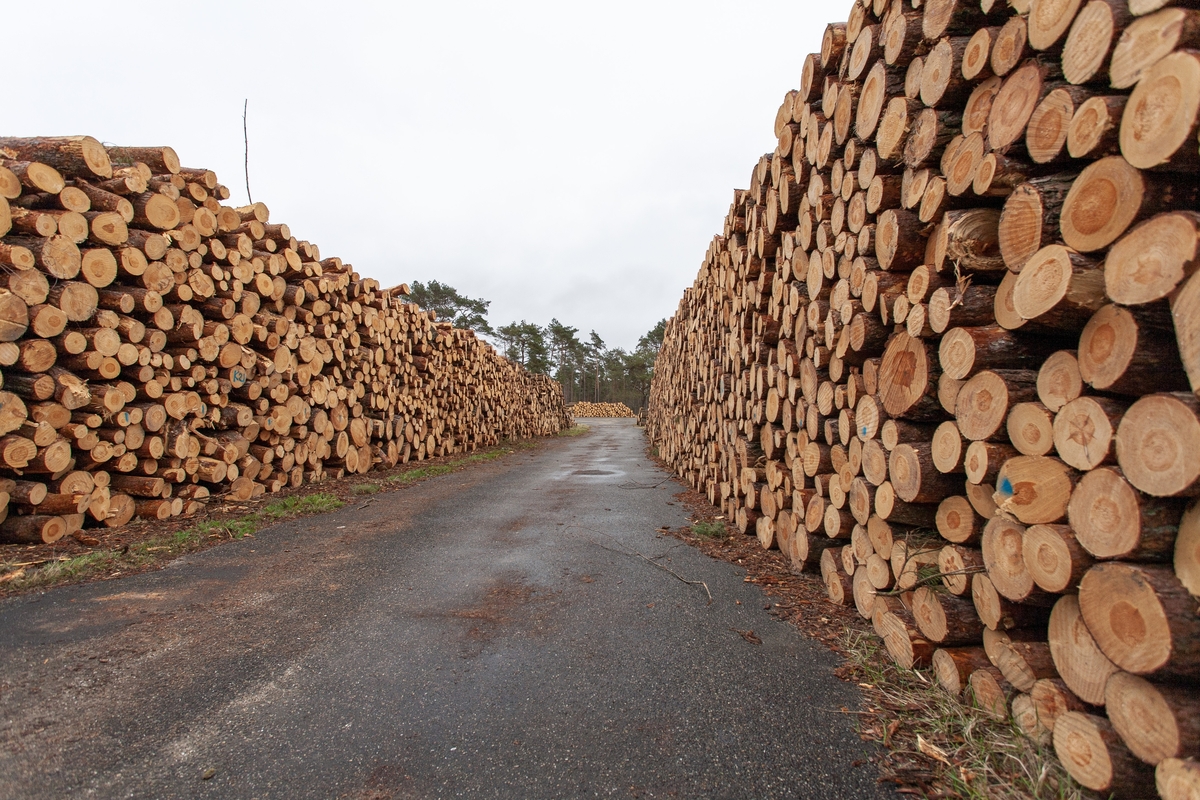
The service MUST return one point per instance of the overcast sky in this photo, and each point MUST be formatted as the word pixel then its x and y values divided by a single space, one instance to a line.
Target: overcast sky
pixel 559 159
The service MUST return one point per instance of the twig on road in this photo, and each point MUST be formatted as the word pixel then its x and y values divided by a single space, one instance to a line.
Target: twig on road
pixel 677 575
pixel 632 485
pixel 646 559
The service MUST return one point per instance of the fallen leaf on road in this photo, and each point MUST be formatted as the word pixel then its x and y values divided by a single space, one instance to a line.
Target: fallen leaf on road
pixel 749 636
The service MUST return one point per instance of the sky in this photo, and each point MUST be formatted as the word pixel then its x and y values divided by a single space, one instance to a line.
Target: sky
pixel 561 160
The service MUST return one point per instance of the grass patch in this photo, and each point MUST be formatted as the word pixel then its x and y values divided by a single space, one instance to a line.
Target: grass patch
pixel 151 549
pixel 479 458
pixel 986 759
pixel 574 430
pixel 709 530
pixel 422 472
pixel 364 488
pixel 292 506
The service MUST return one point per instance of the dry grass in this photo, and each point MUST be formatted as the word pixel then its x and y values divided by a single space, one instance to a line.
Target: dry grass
pixel 965 753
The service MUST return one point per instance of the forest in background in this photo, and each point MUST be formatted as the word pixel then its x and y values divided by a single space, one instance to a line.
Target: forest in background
pixel 585 366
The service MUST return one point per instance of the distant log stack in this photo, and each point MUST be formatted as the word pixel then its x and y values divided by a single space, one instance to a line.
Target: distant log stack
pixel 585 409
pixel 961 296
pixel 159 347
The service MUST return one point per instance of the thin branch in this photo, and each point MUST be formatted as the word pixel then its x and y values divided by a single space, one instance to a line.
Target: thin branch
pixel 646 559
pixel 677 575
pixel 246 141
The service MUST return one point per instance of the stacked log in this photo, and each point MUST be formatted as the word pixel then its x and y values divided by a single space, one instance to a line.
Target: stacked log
pixel 946 350
pixel 610 410
pixel 160 347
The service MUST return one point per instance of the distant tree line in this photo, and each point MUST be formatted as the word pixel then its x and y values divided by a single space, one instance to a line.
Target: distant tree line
pixel 586 367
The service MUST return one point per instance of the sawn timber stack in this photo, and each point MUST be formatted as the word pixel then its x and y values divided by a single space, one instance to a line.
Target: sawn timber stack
pixel 946 350
pixel 159 346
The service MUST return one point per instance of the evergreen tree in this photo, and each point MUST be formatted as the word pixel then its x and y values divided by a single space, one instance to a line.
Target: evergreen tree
pixel 462 311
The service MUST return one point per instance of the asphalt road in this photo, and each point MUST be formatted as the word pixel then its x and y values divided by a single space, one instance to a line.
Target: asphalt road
pixel 499 632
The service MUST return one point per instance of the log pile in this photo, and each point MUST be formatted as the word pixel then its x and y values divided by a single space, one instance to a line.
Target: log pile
pixel 946 351
pixel 585 409
pixel 159 347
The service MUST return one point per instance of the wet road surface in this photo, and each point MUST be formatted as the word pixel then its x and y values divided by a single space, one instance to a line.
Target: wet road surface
pixel 498 632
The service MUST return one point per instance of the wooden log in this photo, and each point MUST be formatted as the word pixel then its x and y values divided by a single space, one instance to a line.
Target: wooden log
pixel 1030 219
pixel 990 692
pixel 1112 520
pixel 1030 428
pixel 1059 288
pixel 80 156
pixel 1015 103
pixel 1035 489
pixel 1059 381
pixel 33 529
pixel 1155 441
pixel 1148 39
pixel 1091 39
pixel 915 478
pixel 1094 131
pixel 1053 558
pixel 1159 125
pixel 964 351
pixel 1142 618
pixel 906 382
pixel 1177 779
pixel 1155 721
pixel 1092 752
pixel 1118 353
pixel 1003 555
pixel 957 521
pixel 983 401
pixel 903 641
pixel 953 666
pixel 1080 662
pixel 1052 699
pixel 1049 22
pixel 1084 430
pixel 946 619
pixel 1152 259
pixel 1110 195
